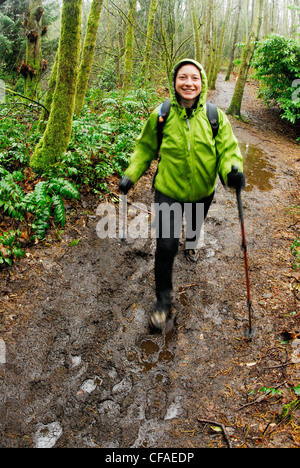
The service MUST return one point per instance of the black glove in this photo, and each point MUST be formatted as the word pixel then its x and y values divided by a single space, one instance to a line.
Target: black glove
pixel 236 179
pixel 125 185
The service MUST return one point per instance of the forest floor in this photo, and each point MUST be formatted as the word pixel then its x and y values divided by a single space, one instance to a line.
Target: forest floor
pixel 78 366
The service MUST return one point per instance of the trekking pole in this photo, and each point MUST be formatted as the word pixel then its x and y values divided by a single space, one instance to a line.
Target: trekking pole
pixel 250 332
pixel 123 207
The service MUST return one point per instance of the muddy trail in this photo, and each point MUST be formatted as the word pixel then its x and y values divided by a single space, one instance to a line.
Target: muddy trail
pixel 78 366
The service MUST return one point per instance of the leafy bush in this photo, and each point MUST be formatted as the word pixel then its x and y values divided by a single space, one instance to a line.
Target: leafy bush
pixel 10 247
pixel 277 64
pixel 295 251
pixel 102 142
pixel 13 149
pixel 104 135
pixel 45 201
pixel 46 198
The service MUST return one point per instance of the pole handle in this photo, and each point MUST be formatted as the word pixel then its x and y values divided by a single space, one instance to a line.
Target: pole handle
pixel 235 170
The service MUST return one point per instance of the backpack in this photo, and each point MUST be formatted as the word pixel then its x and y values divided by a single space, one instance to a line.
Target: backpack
pixel 164 111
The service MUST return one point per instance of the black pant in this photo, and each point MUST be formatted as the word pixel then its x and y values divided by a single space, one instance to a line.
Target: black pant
pixel 169 215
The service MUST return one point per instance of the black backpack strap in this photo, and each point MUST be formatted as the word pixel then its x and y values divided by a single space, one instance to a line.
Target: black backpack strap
pixel 163 114
pixel 164 111
pixel 213 117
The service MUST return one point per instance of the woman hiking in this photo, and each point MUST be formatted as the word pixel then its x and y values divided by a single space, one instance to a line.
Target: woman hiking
pixel 191 158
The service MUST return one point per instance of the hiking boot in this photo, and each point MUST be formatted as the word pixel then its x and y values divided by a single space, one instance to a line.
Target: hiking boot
pixel 158 320
pixel 193 255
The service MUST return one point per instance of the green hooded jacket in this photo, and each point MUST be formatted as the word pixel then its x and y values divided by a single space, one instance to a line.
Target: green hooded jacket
pixel 190 158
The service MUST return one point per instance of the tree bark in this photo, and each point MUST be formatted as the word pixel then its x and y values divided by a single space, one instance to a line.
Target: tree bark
pixel 49 96
pixel 128 62
pixel 149 40
pixel 88 54
pixel 30 68
pixel 247 54
pixel 197 40
pixel 236 32
pixel 58 132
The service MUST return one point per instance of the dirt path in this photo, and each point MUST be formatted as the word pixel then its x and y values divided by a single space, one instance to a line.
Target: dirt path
pixel 78 367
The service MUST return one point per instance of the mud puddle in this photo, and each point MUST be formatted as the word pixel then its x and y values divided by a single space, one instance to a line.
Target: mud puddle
pixel 151 354
pixel 259 170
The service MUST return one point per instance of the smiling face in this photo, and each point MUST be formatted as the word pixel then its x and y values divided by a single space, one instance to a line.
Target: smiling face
pixel 188 85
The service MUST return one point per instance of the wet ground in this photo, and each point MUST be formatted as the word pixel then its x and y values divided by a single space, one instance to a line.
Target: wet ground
pixel 78 366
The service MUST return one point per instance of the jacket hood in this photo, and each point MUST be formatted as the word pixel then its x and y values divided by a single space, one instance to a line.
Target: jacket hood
pixel 177 67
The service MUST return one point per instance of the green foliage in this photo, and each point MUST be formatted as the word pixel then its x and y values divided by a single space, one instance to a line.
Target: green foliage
pixel 104 135
pixel 295 251
pixel 103 138
pixel 11 195
pixel 108 78
pixel 47 198
pixel 13 150
pixel 270 391
pixel 10 247
pixel 277 65
pixel 288 409
pixel 45 201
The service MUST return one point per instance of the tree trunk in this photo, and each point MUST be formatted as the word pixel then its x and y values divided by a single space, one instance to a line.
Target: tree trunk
pixel 207 38
pixel 220 48
pixel 88 54
pixel 58 132
pixel 236 32
pixel 30 67
pixel 149 41
pixel 128 62
pixel 197 40
pixel 247 54
pixel 49 96
pixel 213 44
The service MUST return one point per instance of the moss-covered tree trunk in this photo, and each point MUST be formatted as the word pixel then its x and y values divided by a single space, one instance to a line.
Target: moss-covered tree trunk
pixel 128 61
pixel 30 68
pixel 88 54
pixel 247 54
pixel 149 40
pixel 197 40
pixel 49 96
pixel 58 132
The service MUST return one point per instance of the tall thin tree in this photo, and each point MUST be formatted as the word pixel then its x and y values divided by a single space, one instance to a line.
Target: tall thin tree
pixel 88 54
pixel 128 61
pixel 149 40
pixel 58 132
pixel 247 54
pixel 30 68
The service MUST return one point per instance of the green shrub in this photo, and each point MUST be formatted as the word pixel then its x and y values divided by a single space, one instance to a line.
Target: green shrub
pixel 277 64
pixel 10 247
pixel 295 251
pixel 45 201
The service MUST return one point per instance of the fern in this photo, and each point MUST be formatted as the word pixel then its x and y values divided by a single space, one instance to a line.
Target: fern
pixel 11 195
pixel 40 192
pixel 10 248
pixel 59 212
pixel 42 202
pixel 61 186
